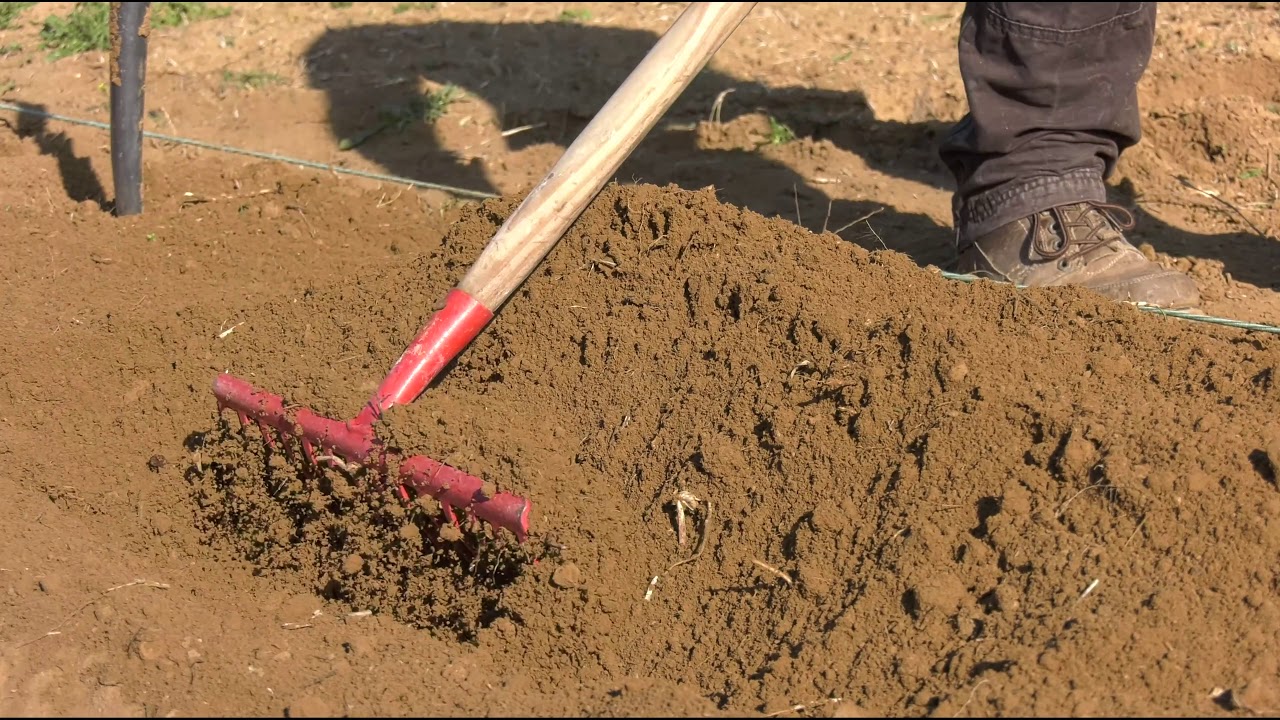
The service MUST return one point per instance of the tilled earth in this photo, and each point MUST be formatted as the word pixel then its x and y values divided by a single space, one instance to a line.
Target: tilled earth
pixel 904 495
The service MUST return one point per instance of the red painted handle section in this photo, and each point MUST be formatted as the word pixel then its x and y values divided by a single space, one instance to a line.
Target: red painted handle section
pixel 449 332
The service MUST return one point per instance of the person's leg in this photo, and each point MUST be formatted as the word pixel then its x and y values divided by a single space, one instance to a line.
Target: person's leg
pixel 1053 101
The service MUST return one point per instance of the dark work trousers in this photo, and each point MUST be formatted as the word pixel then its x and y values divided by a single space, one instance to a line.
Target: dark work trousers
pixel 1053 101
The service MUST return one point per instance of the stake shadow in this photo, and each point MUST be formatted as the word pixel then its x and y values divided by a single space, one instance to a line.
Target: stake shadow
pixel 79 180
pixel 555 77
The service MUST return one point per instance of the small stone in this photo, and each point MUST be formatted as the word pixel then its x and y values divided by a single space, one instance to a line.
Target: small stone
pixel 567 576
pixel 360 646
pixel 958 372
pixel 104 613
pixel 352 564
pixel 157 463
pixel 49 586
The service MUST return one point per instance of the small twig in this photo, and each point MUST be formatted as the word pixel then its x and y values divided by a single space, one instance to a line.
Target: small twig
pixel 796 369
pixel 1084 490
pixel 718 105
pixel 1092 586
pixel 864 218
pixel 827 219
pixel 339 462
pixel 224 331
pixel 56 628
pixel 769 568
pixel 1217 196
pixel 697 552
pixel 795 195
pixel 396 197
pixel 1135 532
pixel 144 583
pixel 522 128
pixel 972 693
pixel 653 584
pixel 310 231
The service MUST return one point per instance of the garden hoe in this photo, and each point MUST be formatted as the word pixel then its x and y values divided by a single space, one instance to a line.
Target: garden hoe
pixel 511 255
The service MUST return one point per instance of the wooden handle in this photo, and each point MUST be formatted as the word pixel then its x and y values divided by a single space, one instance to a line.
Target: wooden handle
pixel 613 134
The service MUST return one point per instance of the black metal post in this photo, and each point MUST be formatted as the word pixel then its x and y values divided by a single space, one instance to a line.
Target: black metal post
pixel 130 26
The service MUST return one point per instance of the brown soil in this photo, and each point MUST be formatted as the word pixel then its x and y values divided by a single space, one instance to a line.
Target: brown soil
pixel 916 496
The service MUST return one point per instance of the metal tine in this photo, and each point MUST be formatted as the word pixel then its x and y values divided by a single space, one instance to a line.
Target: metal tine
pixel 267 434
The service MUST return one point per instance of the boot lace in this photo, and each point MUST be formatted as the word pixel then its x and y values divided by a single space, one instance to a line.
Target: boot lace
pixel 1101 224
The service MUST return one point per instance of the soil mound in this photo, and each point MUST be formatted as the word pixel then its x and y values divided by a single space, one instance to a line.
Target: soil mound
pixel 927 494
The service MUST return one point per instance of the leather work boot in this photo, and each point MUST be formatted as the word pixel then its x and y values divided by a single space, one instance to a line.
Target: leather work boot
pixel 1078 244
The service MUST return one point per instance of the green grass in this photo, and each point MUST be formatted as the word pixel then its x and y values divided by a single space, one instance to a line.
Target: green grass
pixel 405 7
pixel 425 109
pixel 575 15
pixel 174 14
pixel 85 29
pixel 10 11
pixel 251 80
pixel 340 5
pixel 779 134
pixel 10 49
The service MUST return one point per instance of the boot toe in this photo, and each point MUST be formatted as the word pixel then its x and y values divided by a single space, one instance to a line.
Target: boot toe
pixel 1164 289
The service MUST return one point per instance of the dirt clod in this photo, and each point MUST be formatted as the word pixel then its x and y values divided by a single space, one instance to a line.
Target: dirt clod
pixel 567 576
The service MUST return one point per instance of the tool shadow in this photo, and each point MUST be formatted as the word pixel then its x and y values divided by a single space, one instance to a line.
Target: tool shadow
pixel 555 76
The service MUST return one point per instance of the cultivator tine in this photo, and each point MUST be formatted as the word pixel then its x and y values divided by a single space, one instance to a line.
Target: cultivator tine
pixel 355 442
pixel 267 435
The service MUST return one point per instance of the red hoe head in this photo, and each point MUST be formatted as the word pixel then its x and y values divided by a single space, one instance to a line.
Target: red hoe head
pixel 354 441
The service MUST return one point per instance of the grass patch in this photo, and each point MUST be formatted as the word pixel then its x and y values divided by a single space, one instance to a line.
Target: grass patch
pixel 405 7
pixel 10 11
pixel 340 6
pixel 425 109
pixel 11 49
pixel 85 28
pixel 175 14
pixel 251 80
pixel 575 15
pixel 779 134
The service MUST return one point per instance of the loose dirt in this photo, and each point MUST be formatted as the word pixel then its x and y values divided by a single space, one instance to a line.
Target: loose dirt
pixel 904 495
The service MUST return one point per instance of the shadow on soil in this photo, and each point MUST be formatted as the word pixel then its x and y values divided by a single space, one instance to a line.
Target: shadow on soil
pixel 557 75
pixel 78 177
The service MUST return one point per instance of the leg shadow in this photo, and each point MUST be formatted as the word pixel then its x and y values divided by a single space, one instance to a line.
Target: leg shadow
pixel 78 177
pixel 555 76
